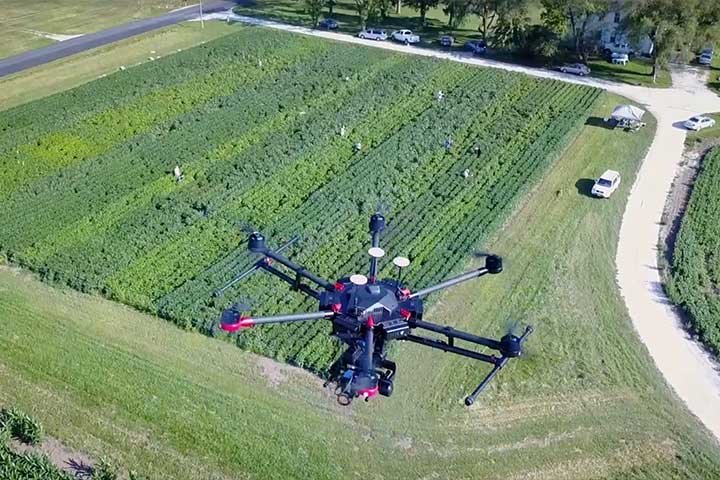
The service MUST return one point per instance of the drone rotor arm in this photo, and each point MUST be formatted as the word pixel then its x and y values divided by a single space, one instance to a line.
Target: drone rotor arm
pixel 256 266
pixel 450 282
pixel 299 270
pixel 247 322
pixel 452 333
pixel 493 265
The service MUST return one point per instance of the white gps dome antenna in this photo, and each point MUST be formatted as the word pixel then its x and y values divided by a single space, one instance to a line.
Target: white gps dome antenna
pixel 358 280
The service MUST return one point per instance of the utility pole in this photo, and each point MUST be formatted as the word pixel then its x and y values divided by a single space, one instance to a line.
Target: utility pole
pixel 202 20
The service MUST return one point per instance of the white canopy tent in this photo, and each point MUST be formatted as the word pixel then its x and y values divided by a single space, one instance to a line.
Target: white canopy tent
pixel 628 113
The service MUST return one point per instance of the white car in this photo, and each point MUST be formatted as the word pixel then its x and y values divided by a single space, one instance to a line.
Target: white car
pixel 575 68
pixel 619 58
pixel 405 36
pixel 698 123
pixel 620 47
pixel 606 184
pixel 373 34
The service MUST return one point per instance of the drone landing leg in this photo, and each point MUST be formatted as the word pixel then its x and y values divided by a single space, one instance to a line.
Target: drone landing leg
pixel 470 399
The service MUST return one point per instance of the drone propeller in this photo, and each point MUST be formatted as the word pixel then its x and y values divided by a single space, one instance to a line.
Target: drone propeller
pixel 382 207
pixel 247 227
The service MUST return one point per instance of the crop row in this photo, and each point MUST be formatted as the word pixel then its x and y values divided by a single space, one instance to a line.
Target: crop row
pixel 695 279
pixel 262 145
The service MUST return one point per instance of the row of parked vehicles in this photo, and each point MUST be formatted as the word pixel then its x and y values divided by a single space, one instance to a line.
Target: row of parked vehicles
pixel 405 36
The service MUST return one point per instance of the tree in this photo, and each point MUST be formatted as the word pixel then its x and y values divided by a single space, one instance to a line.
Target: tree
pixel 540 41
pixel 383 7
pixel 671 25
pixel 314 8
pixel 422 6
pixel 510 28
pixel 495 12
pixel 331 4
pixel 456 10
pixel 364 8
pixel 558 15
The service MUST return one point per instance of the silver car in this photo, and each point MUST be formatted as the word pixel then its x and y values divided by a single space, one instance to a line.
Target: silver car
pixel 373 34
pixel 575 69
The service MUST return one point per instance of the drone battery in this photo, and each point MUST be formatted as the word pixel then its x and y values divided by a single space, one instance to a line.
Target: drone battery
pixel 397 328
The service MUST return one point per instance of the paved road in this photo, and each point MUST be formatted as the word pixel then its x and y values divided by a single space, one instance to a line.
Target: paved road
pixel 66 48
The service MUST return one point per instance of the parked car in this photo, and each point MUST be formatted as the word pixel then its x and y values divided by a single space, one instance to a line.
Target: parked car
pixel 447 41
pixel 606 184
pixel 698 123
pixel 373 34
pixel 619 58
pixel 610 48
pixel 405 36
pixel 705 59
pixel 478 47
pixel 575 69
pixel 328 24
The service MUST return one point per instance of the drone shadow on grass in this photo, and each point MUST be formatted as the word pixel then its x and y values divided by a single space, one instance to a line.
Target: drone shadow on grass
pixel 584 187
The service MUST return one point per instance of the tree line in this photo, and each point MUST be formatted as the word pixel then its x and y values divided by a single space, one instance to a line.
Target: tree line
pixel 676 27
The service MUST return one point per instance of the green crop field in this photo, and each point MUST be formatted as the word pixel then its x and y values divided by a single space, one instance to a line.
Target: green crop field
pixel 88 199
pixel 695 278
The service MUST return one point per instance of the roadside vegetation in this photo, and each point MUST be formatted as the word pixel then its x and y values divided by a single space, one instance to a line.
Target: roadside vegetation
pixel 695 279
pixel 538 33
pixel 28 25
pixel 87 173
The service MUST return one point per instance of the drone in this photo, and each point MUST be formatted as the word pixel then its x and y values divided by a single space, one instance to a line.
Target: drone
pixel 367 313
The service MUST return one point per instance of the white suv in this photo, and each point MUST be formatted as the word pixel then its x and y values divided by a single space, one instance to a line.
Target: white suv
pixel 373 34
pixel 606 184
pixel 405 36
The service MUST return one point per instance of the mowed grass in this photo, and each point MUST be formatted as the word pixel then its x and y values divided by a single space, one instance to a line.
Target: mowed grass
pixel 72 71
pixel 637 72
pixel 22 22
pixel 706 133
pixel 585 403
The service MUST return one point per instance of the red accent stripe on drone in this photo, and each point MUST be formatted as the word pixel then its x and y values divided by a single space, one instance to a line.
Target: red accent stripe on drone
pixel 339 287
pixel 245 322
pixel 370 322
pixel 405 313
pixel 368 392
pixel 336 307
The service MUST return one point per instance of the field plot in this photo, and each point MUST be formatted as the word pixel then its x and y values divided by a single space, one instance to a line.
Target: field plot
pixel 254 121
pixel 695 278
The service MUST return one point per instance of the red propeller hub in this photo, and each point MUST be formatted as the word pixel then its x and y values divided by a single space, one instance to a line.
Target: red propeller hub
pixel 368 392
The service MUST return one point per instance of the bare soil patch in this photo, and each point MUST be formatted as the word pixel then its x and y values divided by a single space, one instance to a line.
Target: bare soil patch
pixel 75 463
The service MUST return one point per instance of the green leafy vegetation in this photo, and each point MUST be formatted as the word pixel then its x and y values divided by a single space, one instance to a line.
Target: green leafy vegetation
pixel 586 402
pixel 695 277
pixel 89 199
pixel 23 466
pixel 20 426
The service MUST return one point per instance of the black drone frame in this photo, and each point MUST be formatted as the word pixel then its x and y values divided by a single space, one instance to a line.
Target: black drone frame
pixel 366 333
